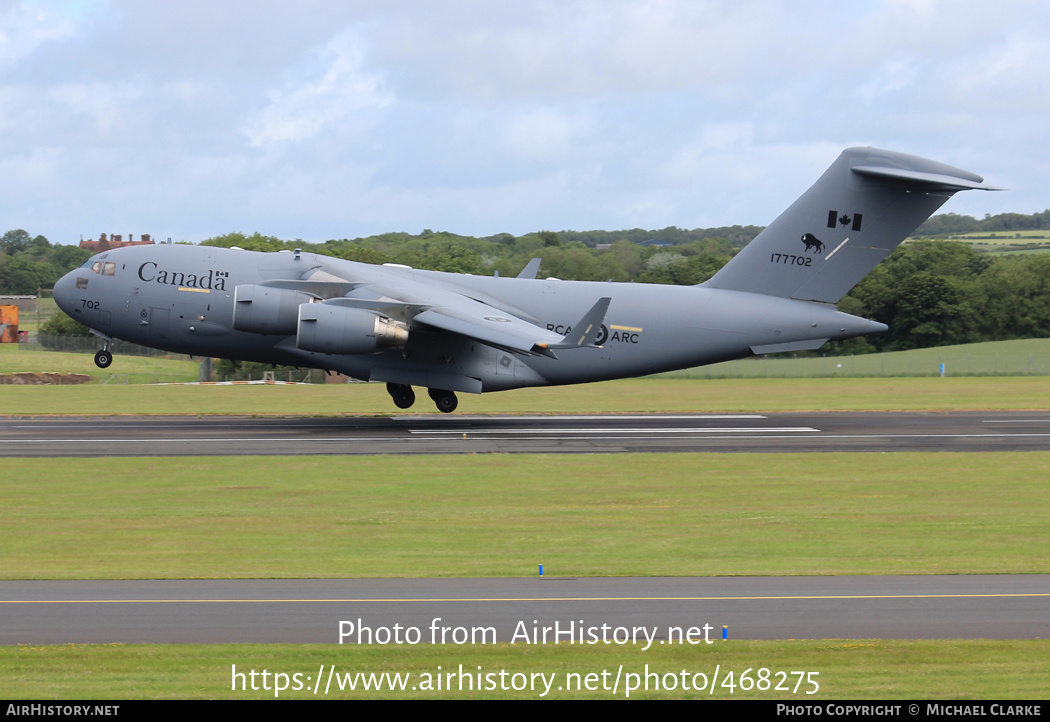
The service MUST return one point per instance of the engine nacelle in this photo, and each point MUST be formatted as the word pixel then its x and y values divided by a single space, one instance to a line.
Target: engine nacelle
pixel 329 328
pixel 265 310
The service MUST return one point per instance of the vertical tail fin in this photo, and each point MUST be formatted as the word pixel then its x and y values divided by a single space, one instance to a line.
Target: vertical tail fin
pixel 863 206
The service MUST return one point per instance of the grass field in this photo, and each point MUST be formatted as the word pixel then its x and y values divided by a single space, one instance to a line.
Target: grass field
pixel 1023 357
pixel 131 369
pixel 1023 251
pixel 1033 241
pixel 1008 237
pixel 845 670
pixel 627 396
pixel 501 515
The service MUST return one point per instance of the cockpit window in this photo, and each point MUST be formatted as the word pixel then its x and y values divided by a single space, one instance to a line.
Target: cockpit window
pixel 106 269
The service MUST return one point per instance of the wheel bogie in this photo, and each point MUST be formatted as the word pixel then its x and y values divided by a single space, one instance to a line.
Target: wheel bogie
pixel 402 394
pixel 445 401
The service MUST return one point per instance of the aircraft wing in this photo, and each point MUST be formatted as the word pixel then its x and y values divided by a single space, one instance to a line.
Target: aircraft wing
pixel 450 310
pixel 321 289
pixel 485 323
pixel 489 325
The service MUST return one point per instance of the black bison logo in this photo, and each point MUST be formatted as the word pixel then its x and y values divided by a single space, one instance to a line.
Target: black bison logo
pixel 812 242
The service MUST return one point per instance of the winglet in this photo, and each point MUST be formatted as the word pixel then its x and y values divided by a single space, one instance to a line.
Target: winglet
pixel 531 270
pixel 587 330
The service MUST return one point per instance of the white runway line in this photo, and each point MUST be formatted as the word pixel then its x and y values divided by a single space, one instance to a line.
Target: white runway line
pixel 592 417
pixel 699 430
pixel 1016 421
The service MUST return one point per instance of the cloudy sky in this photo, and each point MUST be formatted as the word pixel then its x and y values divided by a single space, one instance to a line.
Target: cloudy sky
pixel 320 119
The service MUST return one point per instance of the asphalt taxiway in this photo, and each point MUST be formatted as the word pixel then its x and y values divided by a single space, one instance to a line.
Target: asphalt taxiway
pixel 672 610
pixel 430 434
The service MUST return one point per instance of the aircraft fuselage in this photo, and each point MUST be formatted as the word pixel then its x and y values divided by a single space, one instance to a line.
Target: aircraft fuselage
pixel 181 298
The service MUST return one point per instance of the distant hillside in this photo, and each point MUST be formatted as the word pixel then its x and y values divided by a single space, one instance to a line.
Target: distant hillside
pixel 947 224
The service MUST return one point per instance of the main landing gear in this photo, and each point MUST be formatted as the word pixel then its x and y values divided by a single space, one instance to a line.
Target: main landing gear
pixel 402 394
pixel 446 400
pixel 404 397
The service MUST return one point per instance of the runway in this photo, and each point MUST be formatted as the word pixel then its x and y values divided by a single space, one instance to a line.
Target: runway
pixel 654 610
pixel 428 434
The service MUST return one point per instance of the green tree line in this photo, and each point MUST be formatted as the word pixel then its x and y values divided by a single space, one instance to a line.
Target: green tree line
pixel 936 293
pixel 619 260
pixel 28 263
pixel 947 224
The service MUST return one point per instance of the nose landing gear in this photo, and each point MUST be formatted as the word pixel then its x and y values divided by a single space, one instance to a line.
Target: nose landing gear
pixel 104 357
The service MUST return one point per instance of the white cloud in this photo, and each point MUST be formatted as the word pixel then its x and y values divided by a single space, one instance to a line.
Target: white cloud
pixel 540 134
pixel 110 107
pixel 331 87
pixel 890 76
pixel 578 49
pixel 25 26
pixel 716 141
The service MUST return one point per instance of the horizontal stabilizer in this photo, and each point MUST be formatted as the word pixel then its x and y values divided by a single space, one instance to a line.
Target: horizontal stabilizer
pixel 934 180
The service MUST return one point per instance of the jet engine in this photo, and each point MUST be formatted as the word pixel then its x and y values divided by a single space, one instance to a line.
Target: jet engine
pixel 265 310
pixel 329 328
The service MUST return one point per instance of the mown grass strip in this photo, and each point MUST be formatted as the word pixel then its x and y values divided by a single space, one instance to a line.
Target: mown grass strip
pixel 846 670
pixel 1023 357
pixel 501 515
pixel 16 358
pixel 612 397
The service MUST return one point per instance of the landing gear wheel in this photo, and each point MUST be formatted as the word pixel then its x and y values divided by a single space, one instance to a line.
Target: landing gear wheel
pixel 446 401
pixel 403 395
pixel 103 359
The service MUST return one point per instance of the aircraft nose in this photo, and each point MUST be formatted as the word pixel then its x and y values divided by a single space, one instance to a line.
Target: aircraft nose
pixel 64 291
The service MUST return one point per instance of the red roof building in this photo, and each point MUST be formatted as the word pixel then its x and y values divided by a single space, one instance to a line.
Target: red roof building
pixel 115 241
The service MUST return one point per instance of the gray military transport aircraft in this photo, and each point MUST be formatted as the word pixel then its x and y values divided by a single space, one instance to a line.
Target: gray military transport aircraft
pixel 451 332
